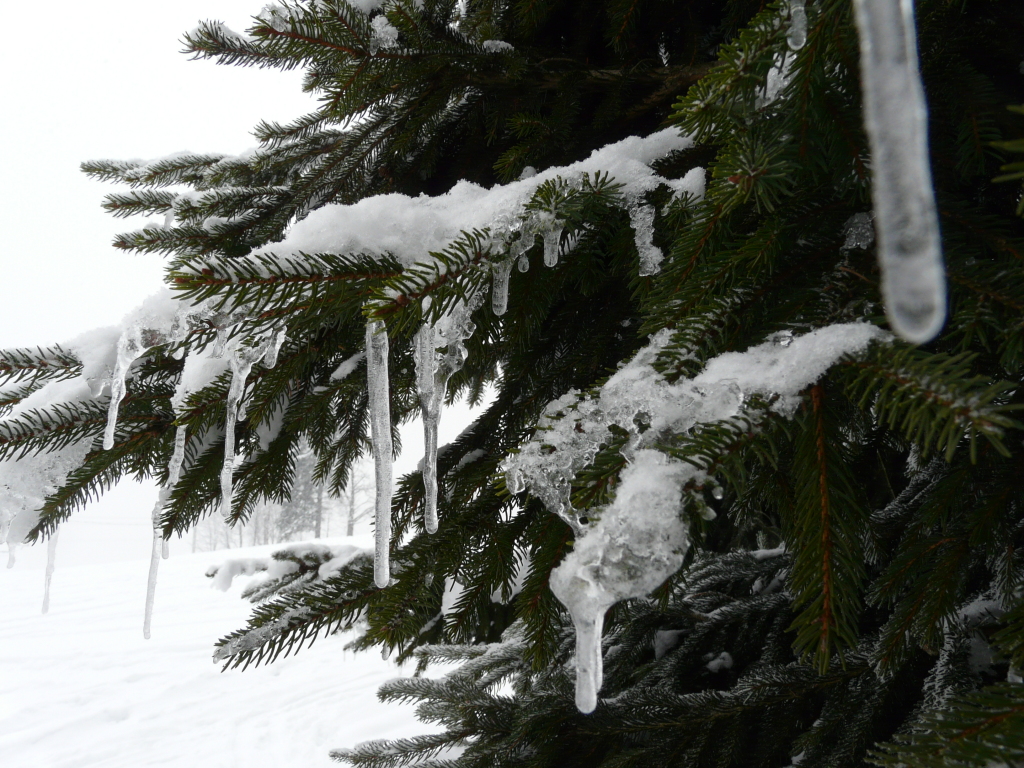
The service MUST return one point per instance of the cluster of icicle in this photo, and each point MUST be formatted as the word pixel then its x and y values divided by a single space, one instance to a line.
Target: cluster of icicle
pixel 241 355
pixel 434 368
pixel 440 352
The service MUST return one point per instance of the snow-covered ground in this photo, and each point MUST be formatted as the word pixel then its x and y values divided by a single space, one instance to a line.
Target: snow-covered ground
pixel 80 688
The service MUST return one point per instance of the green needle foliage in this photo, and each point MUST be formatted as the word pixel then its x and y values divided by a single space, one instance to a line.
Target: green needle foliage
pixel 854 592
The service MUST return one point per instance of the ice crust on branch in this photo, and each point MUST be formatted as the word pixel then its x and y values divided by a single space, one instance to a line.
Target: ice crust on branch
pixel 896 119
pixel 633 544
pixel 410 228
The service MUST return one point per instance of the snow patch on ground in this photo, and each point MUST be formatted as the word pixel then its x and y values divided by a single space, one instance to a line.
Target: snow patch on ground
pixel 80 688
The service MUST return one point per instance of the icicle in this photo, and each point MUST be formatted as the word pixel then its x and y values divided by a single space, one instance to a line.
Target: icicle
pixel 129 349
pixel 430 411
pixel 552 240
pixel 797 35
pixel 499 290
pixel 51 556
pixel 641 217
pixel 154 560
pixel 380 431
pixel 895 116
pixel 241 361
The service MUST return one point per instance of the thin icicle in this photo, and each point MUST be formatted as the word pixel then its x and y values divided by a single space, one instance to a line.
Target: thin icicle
pixel 896 119
pixel 380 431
pixel 797 35
pixel 51 556
pixel 154 561
pixel 499 289
pixel 129 349
pixel 432 374
pixel 430 411
pixel 242 358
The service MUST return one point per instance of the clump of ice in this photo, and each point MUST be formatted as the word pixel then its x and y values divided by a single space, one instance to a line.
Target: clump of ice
pixel 637 542
pixel 385 35
pixel 632 545
pixel 497 46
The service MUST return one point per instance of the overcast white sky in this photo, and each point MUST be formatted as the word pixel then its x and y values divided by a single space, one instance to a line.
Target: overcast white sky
pixel 106 79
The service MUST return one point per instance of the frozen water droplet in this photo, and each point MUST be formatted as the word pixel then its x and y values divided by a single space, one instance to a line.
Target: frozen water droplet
pixel 552 240
pixel 782 338
pixel 524 263
pixel 797 35
pixel 428 580
pixel 717 492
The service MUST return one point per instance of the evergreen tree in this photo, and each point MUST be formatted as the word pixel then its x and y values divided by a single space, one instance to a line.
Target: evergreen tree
pixel 807 530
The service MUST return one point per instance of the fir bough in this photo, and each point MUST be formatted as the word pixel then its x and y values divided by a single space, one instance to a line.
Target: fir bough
pixel 853 591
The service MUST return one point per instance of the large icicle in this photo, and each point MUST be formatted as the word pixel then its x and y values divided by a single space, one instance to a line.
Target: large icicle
pixel 51 556
pixel 895 116
pixel 380 431
pixel 154 559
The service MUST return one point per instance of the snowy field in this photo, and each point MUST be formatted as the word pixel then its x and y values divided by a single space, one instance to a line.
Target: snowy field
pixel 80 688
